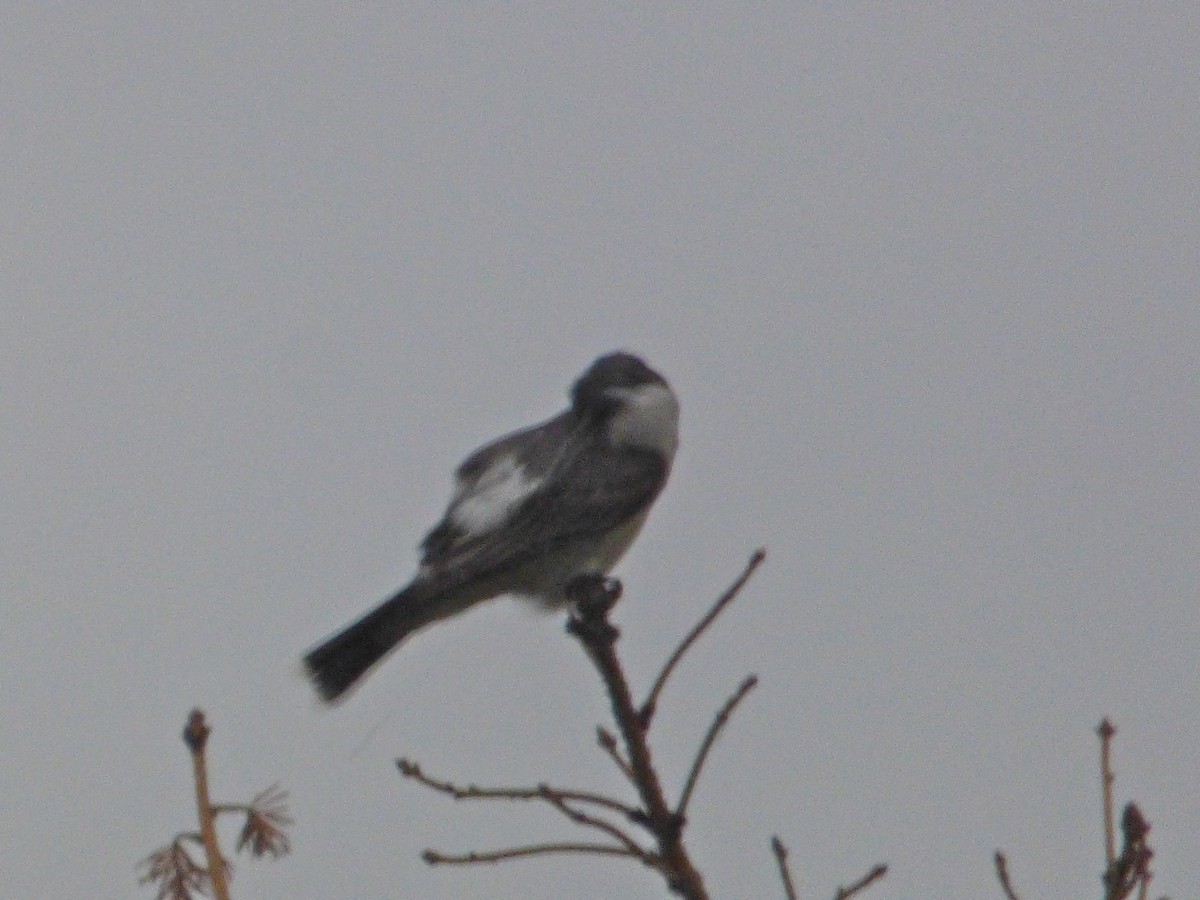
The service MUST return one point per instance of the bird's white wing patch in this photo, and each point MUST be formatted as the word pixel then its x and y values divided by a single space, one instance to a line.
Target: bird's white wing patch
pixel 485 502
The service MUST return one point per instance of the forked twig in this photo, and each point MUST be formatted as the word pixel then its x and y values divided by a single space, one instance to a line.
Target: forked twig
pixel 650 706
pixel 593 598
pixel 560 800
pixel 1124 871
pixel 172 868
pixel 579 817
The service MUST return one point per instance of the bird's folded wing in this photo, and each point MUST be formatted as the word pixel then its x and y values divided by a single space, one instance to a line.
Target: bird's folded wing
pixel 598 490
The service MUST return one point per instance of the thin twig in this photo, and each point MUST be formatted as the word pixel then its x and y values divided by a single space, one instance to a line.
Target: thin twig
pixel 710 738
pixel 579 817
pixel 608 742
pixel 434 858
pixel 556 794
pixel 784 873
pixel 1010 892
pixel 1106 730
pixel 649 707
pixel 870 878
pixel 410 769
pixel 559 799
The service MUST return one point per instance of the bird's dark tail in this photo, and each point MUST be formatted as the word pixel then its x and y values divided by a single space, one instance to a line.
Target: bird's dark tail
pixel 336 664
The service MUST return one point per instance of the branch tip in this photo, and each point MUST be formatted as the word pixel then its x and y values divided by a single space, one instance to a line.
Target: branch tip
pixel 863 883
pixel 785 873
pixel 722 717
pixel 196 731
pixel 650 705
pixel 1002 876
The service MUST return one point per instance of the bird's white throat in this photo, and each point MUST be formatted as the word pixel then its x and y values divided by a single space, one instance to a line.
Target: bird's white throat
pixel 648 417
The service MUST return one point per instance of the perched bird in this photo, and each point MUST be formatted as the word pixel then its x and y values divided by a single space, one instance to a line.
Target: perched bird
pixel 531 511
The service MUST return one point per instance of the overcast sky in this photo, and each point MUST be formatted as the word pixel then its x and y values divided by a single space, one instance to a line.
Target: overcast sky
pixel 925 277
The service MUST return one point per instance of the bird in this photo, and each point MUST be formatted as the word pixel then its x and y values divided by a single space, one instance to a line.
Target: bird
pixel 531 512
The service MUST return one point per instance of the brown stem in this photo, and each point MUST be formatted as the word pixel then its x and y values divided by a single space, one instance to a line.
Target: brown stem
pixel 195 735
pixel 1106 730
pixel 595 597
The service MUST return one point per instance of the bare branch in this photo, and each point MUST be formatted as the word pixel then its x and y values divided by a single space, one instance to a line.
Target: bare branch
pixel 1010 892
pixel 650 706
pixel 434 858
pixel 594 598
pixel 410 769
pixel 866 881
pixel 710 738
pixel 561 800
pixel 784 873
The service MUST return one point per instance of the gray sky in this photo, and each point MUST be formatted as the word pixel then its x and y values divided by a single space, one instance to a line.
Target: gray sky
pixel 925 277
